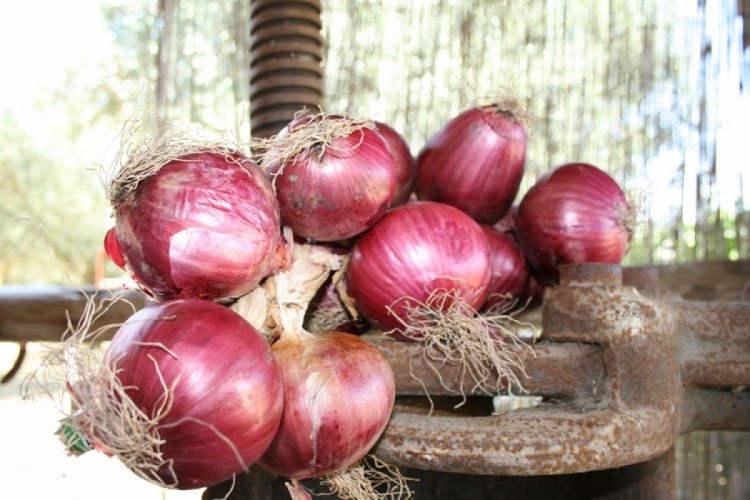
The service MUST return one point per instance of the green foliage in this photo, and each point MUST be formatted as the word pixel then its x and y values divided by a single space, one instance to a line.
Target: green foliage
pixel 50 219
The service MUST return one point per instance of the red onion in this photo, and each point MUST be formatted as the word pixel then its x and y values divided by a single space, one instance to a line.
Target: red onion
pixel 475 162
pixel 204 225
pixel 339 390
pixel 574 214
pixel 509 270
pixel 416 250
pixel 334 176
pixel 406 167
pixel 188 394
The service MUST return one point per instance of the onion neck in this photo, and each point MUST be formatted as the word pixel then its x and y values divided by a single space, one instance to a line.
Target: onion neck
pixel 291 291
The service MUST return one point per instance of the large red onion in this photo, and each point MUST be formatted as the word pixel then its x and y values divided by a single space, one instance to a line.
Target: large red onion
pixel 205 225
pixel 574 214
pixel 415 250
pixel 475 162
pixel 334 176
pixel 406 167
pixel 509 270
pixel 188 395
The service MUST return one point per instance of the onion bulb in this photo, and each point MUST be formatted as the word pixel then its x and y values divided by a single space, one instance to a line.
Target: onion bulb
pixel 509 270
pixel 339 390
pixel 416 250
pixel 421 274
pixel 186 396
pixel 406 167
pixel 334 176
pixel 194 220
pixel 475 162
pixel 574 214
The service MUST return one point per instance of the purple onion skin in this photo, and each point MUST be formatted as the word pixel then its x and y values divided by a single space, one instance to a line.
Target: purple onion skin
pixel 574 214
pixel 509 270
pixel 339 393
pixel 228 379
pixel 414 250
pixel 406 166
pixel 339 193
pixel 475 162
pixel 202 227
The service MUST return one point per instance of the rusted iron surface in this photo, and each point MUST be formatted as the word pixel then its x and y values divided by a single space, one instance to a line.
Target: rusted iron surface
pixel 650 382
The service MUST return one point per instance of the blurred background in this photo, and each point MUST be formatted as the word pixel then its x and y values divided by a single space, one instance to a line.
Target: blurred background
pixel 654 92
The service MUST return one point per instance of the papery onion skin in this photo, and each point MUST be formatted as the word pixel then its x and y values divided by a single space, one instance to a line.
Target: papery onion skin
pixel 507 223
pixel 509 269
pixel 417 249
pixel 406 166
pixel 475 162
pixel 202 227
pixel 339 393
pixel 574 214
pixel 337 192
pixel 228 379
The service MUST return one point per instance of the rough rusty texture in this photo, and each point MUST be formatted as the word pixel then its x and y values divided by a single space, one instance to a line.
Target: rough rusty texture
pixel 555 370
pixel 651 367
pixel 286 50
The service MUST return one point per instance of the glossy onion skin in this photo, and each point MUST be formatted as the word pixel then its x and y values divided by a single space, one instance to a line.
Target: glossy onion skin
pixel 340 193
pixel 414 250
pixel 339 393
pixel 574 214
pixel 227 378
pixel 201 227
pixel 406 166
pixel 509 269
pixel 475 162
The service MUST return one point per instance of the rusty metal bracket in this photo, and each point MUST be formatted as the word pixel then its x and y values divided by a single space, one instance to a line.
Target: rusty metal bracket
pixel 622 374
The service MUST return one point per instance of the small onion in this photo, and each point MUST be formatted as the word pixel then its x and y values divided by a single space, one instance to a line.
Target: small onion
pixel 475 162
pixel 574 214
pixel 339 392
pixel 204 225
pixel 509 270
pixel 334 177
pixel 406 167
pixel 415 250
pixel 188 395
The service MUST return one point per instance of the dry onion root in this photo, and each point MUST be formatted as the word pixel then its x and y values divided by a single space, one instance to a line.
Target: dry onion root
pixel 97 413
pixel 486 348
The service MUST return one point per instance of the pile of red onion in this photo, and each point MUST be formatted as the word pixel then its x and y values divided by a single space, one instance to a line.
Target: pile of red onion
pixel 230 367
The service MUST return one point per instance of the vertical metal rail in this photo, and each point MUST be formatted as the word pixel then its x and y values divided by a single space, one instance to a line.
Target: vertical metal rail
pixel 286 54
